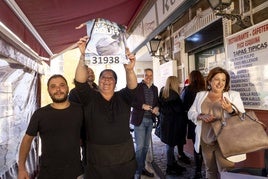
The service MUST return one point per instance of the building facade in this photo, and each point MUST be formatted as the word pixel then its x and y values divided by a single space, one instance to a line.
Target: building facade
pixel 195 36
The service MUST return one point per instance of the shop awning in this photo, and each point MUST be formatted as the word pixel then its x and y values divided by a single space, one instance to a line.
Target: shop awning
pixel 48 26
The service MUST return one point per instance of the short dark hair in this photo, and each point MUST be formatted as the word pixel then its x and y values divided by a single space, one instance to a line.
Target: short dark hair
pixel 56 76
pixel 109 70
pixel 214 72
pixel 148 69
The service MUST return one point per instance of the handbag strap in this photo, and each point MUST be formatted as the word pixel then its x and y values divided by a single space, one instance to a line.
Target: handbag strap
pixel 241 116
pixel 223 120
pixel 223 123
pixel 256 120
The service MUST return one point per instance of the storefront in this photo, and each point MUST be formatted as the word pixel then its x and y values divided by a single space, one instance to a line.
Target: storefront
pixel 198 39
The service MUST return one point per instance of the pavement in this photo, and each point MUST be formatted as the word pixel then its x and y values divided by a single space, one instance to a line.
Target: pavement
pixel 156 162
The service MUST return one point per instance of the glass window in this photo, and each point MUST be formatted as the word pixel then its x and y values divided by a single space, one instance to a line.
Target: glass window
pixel 209 59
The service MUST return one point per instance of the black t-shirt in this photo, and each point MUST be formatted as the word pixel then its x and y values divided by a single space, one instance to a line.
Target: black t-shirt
pixel 110 149
pixel 60 133
pixel 106 122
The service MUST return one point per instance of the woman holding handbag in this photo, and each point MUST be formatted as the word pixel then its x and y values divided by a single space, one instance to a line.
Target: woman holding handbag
pixel 207 107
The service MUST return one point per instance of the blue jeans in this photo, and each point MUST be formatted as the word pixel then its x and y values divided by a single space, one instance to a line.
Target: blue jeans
pixel 142 134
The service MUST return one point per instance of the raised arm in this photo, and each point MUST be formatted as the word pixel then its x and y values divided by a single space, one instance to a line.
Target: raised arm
pixel 130 74
pixel 23 154
pixel 81 73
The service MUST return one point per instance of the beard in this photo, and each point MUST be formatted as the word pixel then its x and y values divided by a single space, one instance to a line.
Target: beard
pixel 59 100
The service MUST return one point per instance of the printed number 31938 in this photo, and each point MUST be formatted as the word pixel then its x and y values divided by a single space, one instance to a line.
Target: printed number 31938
pixel 98 60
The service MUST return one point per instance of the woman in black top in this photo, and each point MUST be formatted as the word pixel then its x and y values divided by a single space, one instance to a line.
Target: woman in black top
pixel 171 121
pixel 110 149
pixel 197 83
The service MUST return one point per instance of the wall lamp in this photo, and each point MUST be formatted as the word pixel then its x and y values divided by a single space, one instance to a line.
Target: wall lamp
pixel 153 48
pixel 220 6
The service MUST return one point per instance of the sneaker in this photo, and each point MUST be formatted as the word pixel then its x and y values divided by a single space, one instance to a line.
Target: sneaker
pixel 147 173
pixel 184 159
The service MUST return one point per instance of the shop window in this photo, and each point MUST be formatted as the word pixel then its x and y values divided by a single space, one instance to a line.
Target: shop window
pixel 209 59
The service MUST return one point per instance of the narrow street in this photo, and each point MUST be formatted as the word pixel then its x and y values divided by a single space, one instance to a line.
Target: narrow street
pixel 160 160
pixel 157 163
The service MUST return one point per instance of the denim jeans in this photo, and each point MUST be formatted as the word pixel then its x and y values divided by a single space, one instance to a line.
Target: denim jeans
pixel 142 135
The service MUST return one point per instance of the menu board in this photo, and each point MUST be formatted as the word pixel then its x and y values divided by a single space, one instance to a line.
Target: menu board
pixel 247 53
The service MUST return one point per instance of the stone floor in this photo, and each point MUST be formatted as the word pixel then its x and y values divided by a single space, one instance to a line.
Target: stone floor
pixel 159 159
pixel 156 162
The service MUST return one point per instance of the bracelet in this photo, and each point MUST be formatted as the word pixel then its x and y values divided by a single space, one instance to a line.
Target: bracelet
pixel 232 113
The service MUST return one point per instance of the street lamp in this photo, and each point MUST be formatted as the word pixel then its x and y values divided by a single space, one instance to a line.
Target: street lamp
pixel 153 46
pixel 220 6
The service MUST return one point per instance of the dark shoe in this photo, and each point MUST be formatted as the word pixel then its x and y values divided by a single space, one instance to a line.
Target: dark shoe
pixel 179 167
pixel 197 175
pixel 147 173
pixel 137 176
pixel 184 159
pixel 171 170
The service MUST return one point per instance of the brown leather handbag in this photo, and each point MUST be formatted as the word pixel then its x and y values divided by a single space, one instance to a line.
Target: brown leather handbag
pixel 240 134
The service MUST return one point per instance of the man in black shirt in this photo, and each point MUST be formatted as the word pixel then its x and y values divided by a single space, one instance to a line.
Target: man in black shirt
pixel 73 95
pixel 59 126
pixel 145 109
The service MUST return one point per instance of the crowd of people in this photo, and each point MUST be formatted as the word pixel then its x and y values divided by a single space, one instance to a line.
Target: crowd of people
pixel 96 118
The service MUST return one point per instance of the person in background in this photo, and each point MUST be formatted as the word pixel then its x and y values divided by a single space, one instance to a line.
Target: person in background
pixel 73 95
pixel 110 149
pixel 145 109
pixel 196 84
pixel 59 126
pixel 206 108
pixel 182 157
pixel 171 119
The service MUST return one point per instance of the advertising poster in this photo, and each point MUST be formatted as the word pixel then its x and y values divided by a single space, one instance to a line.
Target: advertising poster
pixel 247 53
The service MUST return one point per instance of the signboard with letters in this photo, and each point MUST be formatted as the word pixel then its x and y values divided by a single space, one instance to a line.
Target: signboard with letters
pixel 247 53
